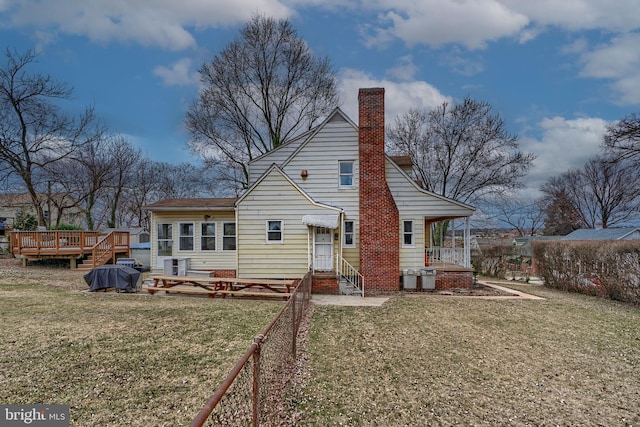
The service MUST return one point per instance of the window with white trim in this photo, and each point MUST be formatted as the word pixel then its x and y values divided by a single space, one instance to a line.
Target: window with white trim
pixel 349 233
pixel 275 232
pixel 346 174
pixel 165 239
pixel 208 236
pixel 185 236
pixel 407 233
pixel 228 236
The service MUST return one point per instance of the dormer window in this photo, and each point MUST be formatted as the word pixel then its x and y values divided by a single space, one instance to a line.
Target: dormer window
pixel 346 174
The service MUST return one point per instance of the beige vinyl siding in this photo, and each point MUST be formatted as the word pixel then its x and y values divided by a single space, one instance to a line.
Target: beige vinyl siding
pixel 415 204
pixel 412 257
pixel 259 166
pixel 274 199
pixel 336 141
pixel 200 260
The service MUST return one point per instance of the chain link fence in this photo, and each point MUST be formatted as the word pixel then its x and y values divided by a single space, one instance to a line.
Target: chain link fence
pixel 251 395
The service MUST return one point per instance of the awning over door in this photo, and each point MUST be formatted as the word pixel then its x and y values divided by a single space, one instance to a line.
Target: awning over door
pixel 326 221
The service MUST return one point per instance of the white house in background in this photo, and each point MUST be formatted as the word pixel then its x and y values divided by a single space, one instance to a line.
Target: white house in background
pixel 329 201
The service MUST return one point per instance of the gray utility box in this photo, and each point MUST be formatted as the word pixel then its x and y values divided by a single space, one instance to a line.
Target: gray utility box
pixel 409 279
pixel 428 278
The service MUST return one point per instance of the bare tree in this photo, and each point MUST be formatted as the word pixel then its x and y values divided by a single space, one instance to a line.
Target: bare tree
pixel 527 218
pixel 262 89
pixel 123 158
pixel 462 151
pixel 34 132
pixel 602 193
pixel 623 138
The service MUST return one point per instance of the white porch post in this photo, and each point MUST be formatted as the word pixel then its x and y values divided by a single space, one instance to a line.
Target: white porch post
pixel 467 243
pixel 309 265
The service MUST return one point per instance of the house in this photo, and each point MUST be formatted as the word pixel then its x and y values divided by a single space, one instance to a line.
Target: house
pixel 628 233
pixel 12 204
pixel 329 201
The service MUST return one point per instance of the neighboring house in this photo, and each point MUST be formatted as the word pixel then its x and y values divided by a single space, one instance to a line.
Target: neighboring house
pixel 327 201
pixel 628 233
pixel 12 204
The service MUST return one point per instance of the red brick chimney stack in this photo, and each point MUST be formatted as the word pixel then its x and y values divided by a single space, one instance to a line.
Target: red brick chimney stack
pixel 379 218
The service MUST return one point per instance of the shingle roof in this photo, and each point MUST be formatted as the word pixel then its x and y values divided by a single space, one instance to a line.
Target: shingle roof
pixel 600 233
pixel 193 204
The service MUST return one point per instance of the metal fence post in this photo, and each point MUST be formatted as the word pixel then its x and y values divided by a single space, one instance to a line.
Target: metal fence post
pixel 256 381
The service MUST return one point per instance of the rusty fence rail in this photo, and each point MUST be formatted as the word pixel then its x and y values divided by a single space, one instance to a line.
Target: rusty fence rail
pixel 252 392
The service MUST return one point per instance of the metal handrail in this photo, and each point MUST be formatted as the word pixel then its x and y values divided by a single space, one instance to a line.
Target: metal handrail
pixel 350 274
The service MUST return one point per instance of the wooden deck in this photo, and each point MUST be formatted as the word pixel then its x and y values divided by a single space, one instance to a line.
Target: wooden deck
pixel 72 245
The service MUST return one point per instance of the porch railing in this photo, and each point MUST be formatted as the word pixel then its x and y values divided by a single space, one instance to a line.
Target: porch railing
pixel 350 274
pixel 438 255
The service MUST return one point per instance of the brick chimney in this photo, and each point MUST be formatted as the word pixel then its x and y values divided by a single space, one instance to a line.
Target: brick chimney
pixel 379 218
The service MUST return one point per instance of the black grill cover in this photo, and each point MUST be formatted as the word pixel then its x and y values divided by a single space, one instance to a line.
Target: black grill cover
pixel 121 277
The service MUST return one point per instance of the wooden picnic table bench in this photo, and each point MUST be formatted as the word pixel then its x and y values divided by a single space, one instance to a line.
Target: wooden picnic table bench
pixel 223 286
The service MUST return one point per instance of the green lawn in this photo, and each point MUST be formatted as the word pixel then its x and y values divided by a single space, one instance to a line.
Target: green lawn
pixel 425 360
pixel 120 359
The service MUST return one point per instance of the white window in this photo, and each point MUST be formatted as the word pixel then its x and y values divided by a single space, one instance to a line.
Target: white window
pixel 349 234
pixel 185 237
pixel 228 236
pixel 208 236
pixel 165 239
pixel 346 174
pixel 275 231
pixel 407 233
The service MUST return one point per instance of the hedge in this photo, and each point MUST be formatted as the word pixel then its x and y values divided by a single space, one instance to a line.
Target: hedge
pixel 610 269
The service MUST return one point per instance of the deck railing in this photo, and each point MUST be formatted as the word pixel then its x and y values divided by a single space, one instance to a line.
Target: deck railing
pixel 70 244
pixel 37 242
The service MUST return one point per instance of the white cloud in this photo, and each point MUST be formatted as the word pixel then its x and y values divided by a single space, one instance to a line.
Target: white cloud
pixel 178 74
pixel 564 144
pixel 163 23
pixel 399 96
pixel 619 61
pixel 405 70
pixel 439 22
pixel 574 15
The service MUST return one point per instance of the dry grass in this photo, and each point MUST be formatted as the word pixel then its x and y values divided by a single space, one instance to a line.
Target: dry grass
pixel 116 359
pixel 419 360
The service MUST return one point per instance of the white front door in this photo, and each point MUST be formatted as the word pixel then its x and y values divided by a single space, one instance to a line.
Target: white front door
pixel 322 249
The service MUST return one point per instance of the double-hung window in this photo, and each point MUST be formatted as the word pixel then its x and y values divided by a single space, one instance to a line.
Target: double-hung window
pixel 208 236
pixel 349 234
pixel 275 232
pixel 407 233
pixel 346 174
pixel 165 239
pixel 185 236
pixel 228 236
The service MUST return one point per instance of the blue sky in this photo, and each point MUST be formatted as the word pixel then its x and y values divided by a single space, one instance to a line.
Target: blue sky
pixel 557 71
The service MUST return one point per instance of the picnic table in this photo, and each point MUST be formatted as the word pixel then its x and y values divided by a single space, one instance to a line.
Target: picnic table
pixel 222 286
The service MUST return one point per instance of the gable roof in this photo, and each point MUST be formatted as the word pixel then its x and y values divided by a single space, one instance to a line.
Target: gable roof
pixel 601 233
pixel 336 114
pixel 427 192
pixel 276 169
pixel 193 204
